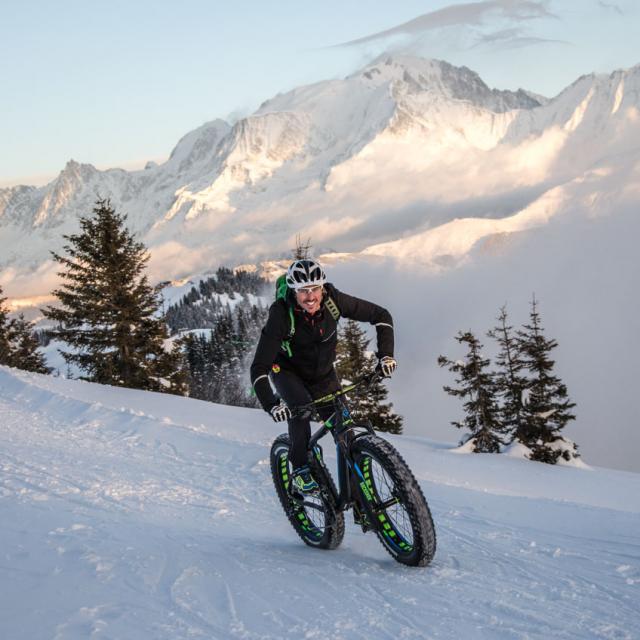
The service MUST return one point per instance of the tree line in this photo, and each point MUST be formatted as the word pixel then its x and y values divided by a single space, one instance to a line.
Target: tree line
pixel 218 345
pixel 521 400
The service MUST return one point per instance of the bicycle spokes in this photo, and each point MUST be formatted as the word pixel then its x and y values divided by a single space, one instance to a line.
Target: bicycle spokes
pixel 312 515
pixel 395 523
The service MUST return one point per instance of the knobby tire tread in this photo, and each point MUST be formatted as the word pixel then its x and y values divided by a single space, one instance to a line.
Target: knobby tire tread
pixel 334 534
pixel 412 496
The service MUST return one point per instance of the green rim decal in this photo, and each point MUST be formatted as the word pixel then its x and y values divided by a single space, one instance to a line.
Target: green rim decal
pixel 284 470
pixel 387 528
pixel 308 527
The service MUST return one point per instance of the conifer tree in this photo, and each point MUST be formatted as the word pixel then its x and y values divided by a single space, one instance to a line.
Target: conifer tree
pixel 108 311
pixel 302 250
pixel 218 359
pixel 5 344
pixel 26 355
pixel 352 362
pixel 477 386
pixel 18 343
pixel 195 353
pixel 245 340
pixel 510 382
pixel 548 407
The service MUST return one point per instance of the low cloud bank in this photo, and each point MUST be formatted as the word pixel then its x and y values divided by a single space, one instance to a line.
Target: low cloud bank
pixel 581 270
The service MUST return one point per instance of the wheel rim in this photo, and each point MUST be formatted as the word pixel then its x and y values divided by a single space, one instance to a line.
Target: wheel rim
pixel 311 517
pixel 394 520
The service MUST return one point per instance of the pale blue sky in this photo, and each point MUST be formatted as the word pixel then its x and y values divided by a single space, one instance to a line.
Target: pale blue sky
pixel 118 83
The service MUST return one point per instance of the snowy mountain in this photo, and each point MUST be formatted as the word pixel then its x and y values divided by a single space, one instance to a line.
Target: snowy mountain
pixel 496 195
pixel 133 515
pixel 391 152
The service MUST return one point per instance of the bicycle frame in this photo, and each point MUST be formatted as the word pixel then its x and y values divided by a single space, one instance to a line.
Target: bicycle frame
pixel 343 429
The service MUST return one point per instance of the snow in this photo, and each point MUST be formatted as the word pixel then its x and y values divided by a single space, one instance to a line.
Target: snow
pixel 128 514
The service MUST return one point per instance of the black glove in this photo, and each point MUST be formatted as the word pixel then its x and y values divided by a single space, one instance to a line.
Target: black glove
pixel 280 412
pixel 387 365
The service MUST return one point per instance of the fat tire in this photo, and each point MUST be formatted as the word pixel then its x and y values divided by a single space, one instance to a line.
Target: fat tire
pixel 406 488
pixel 331 535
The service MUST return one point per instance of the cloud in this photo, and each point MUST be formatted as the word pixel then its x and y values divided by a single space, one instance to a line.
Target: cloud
pixel 512 38
pixel 472 14
pixel 611 6
pixel 327 228
pixel 19 284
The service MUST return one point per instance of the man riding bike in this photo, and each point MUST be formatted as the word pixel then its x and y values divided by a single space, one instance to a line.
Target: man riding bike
pixel 297 351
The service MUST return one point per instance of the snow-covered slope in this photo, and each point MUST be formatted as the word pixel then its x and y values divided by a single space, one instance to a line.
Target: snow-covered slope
pixel 400 147
pixel 132 515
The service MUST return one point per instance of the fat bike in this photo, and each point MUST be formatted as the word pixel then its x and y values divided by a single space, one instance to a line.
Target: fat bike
pixel 373 480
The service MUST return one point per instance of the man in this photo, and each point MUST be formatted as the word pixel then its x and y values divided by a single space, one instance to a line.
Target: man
pixel 297 351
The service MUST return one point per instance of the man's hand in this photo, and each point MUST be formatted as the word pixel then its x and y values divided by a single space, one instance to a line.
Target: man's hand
pixel 280 412
pixel 387 365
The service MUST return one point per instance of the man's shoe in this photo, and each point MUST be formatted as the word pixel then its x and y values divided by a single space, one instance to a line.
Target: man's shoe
pixel 303 481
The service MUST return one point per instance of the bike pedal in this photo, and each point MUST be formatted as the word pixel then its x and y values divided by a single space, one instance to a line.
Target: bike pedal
pixel 361 519
pixel 363 523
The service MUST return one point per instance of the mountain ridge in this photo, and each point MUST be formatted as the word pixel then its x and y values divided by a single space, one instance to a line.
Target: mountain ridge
pixel 334 157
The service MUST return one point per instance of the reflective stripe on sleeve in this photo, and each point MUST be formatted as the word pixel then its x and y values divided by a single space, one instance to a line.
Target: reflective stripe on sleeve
pixel 264 375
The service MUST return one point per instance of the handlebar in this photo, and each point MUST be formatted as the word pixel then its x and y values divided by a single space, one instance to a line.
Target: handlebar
pixel 367 380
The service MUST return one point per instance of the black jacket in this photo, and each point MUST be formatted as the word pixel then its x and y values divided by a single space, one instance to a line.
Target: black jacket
pixel 313 345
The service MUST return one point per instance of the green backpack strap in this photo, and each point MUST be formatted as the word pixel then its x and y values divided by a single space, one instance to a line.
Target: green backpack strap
pixel 332 308
pixel 286 344
pixel 282 291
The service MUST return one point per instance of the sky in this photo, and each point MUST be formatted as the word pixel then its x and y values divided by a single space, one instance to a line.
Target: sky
pixel 119 83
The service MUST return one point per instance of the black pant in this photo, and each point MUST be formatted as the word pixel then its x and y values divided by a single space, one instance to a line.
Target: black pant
pixel 295 392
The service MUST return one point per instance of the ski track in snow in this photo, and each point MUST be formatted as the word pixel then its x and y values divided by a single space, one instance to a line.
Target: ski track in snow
pixel 121 522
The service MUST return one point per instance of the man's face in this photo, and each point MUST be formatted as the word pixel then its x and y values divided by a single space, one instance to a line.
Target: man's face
pixel 309 298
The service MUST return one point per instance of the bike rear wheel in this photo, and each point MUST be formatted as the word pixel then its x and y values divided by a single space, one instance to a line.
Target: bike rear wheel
pixel 395 502
pixel 314 517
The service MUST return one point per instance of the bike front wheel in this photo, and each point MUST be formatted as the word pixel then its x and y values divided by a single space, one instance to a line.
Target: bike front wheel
pixel 395 502
pixel 314 516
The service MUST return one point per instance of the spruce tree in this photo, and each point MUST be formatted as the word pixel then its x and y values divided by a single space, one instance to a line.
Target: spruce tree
pixel 245 341
pixel 25 347
pixel 548 407
pixel 478 387
pixel 18 343
pixel 302 250
pixel 222 359
pixel 510 382
pixel 352 362
pixel 109 313
pixel 5 344
pixel 195 353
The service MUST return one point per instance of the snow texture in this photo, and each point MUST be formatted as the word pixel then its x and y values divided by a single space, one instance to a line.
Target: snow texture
pixel 128 514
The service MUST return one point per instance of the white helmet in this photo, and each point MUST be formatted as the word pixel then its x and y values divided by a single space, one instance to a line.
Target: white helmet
pixel 305 273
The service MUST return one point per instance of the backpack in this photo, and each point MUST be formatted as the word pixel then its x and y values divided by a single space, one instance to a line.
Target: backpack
pixel 282 291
